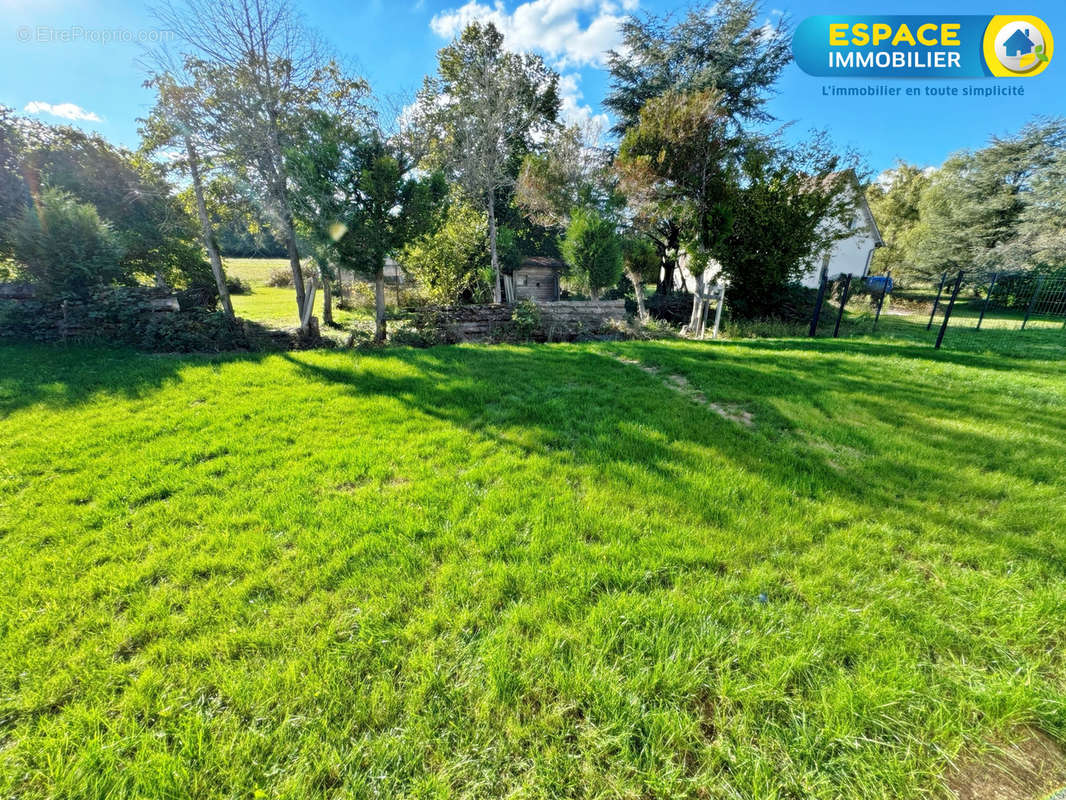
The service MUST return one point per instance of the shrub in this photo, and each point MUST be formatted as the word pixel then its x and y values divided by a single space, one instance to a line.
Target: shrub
pixel 237 286
pixel 64 247
pixel 453 261
pixel 280 279
pixel 593 250
pixel 526 319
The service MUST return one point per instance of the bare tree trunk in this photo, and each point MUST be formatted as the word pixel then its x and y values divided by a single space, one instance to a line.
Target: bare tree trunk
pixel 379 305
pixel 205 226
pixel 327 300
pixel 492 247
pixel 289 231
pixel 638 290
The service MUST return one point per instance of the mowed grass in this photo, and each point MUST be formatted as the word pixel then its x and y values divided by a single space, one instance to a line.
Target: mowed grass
pixel 545 571
pixel 274 306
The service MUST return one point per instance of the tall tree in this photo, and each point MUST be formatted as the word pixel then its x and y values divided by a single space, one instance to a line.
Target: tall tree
pixel 895 202
pixel 481 113
pixel 359 197
pixel 725 47
pixel 173 121
pixel 263 71
pixel 979 203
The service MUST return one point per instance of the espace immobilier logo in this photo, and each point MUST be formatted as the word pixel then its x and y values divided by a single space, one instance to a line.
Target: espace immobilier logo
pixel 1006 46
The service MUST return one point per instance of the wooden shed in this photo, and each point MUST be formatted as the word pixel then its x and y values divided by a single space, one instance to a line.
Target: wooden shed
pixel 537 278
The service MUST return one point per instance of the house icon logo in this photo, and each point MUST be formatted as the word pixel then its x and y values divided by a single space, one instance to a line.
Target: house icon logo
pixel 1017 46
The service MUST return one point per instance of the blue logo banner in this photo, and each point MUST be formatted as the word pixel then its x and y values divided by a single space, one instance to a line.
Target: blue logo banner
pixel 915 46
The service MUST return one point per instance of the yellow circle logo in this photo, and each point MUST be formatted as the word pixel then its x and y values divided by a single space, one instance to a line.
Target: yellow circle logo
pixel 1017 47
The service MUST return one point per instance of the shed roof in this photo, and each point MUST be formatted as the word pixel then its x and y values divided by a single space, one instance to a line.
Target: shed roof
pixel 541 261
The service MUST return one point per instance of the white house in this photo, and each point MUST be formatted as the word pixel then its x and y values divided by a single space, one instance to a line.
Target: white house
pixel 851 255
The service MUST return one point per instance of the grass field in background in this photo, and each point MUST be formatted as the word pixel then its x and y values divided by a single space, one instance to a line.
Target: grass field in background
pixel 271 305
pixel 774 568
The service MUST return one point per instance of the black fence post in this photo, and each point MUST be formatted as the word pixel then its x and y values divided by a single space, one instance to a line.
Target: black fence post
pixel 1032 300
pixel 988 299
pixel 940 291
pixel 881 299
pixel 947 311
pixel 843 302
pixel 821 299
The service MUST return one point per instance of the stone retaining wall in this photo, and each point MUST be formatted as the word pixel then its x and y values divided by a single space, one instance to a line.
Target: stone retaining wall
pixel 563 319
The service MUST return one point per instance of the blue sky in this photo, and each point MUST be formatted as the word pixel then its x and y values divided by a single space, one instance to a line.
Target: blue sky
pixel 394 44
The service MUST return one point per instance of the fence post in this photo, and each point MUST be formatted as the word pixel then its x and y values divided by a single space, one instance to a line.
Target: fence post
pixel 843 302
pixel 943 280
pixel 947 312
pixel 1032 300
pixel 988 298
pixel 821 299
pixel 881 299
pixel 718 311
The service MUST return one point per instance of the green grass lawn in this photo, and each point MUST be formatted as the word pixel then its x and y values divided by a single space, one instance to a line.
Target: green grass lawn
pixel 271 305
pixel 537 572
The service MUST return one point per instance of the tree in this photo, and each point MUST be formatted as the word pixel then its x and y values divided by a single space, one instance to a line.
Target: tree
pixel 262 73
pixel 991 209
pixel 481 114
pixel 571 171
pixel 158 237
pixel 792 204
pixel 895 204
pixel 592 250
pixel 724 47
pixel 14 194
pixel 64 246
pixel 640 262
pixel 451 261
pixel 359 198
pixel 679 164
pixel 174 121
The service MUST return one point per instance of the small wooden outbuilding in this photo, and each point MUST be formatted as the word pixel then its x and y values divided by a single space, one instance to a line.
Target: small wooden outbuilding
pixel 537 278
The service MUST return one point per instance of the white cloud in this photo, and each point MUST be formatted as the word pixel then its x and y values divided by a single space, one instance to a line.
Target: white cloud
pixel 63 110
pixel 572 110
pixel 571 32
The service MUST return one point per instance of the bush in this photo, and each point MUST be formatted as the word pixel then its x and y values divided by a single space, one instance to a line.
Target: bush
pixel 236 286
pixel 453 262
pixel 65 248
pixel 593 250
pixel 526 319
pixel 280 279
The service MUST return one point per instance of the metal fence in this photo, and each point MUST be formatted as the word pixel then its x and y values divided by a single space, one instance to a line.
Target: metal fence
pixel 964 300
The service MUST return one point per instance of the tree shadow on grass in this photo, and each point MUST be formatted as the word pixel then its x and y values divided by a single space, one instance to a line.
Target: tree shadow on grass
pixel 586 405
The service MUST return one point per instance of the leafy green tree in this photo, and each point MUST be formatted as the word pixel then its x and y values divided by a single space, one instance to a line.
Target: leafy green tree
pixel 480 114
pixel 359 199
pixel 14 194
pixel 679 163
pixel 64 246
pixel 174 122
pixel 724 48
pixel 791 204
pixel 991 209
pixel 158 237
pixel 592 250
pixel 452 262
pixel 895 205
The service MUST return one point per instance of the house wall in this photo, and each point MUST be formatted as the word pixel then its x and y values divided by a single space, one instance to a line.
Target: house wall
pixel 536 283
pixel 849 256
